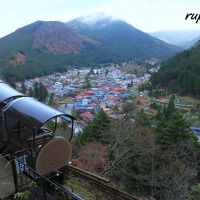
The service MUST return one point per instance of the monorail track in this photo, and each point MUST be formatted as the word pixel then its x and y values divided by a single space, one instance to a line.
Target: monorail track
pixel 100 183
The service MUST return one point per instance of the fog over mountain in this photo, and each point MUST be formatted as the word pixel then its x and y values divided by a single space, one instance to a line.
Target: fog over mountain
pixel 182 38
pixel 117 34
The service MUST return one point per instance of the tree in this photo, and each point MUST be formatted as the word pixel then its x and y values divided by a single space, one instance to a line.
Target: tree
pixel 43 93
pixel 100 124
pixel 129 85
pixel 36 90
pixel 30 92
pixel 12 84
pixel 174 130
pixel 131 154
pixel 195 192
pixel 136 72
pixel 128 107
pixel 106 72
pixel 39 91
pixel 170 108
pixel 141 165
pixel 87 83
pixel 51 101
pixel 142 119
pixel 95 130
pixel 23 88
pixel 91 72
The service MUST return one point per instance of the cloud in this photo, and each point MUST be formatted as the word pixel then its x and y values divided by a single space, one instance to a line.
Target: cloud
pixel 147 15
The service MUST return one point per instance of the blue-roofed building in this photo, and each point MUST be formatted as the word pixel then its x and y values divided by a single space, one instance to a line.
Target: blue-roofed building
pixel 196 131
pixel 78 104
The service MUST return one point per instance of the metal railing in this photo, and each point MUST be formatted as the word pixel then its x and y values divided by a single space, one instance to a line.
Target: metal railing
pixel 39 187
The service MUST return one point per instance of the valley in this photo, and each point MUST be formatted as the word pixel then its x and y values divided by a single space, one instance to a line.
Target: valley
pixel 135 96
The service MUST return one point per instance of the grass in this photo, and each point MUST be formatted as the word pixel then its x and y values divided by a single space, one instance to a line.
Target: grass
pixel 68 99
pixel 185 100
pixel 189 100
pixel 80 189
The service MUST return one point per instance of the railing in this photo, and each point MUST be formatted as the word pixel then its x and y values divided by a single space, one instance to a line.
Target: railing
pixel 100 183
pixel 27 180
pixel 38 187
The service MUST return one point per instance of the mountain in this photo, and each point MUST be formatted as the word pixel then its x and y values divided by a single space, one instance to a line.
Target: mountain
pixel 41 48
pixel 183 38
pixel 45 47
pixel 190 43
pixel 122 39
pixel 180 73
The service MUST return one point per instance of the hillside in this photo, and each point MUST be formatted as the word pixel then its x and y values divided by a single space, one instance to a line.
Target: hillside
pixel 45 47
pixel 181 73
pixel 41 48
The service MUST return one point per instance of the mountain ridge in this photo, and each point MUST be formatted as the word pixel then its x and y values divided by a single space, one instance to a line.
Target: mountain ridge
pixel 42 47
pixel 118 31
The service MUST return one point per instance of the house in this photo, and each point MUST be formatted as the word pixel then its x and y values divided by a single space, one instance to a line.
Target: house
pixel 85 101
pixel 78 104
pixel 196 131
pixel 87 116
pixel 115 117
pixel 117 89
pixel 146 107
pixel 102 105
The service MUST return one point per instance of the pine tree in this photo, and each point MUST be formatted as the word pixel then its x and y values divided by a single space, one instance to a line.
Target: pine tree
pixel 31 92
pixel 106 72
pixel 142 118
pixel 171 106
pixel 174 130
pixel 23 88
pixel 43 93
pixel 100 124
pixel 91 72
pixel 95 130
pixel 87 83
pixel 36 90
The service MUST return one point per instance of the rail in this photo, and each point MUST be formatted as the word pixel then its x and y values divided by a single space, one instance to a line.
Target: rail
pixel 101 183
pixel 24 175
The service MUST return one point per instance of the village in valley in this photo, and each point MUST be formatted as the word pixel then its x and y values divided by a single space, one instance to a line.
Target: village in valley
pixel 83 92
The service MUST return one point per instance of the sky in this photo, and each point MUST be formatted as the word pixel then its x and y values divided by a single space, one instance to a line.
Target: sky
pixel 146 15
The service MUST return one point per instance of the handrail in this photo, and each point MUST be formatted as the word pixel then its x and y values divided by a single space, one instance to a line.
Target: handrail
pixel 37 176
pixel 43 177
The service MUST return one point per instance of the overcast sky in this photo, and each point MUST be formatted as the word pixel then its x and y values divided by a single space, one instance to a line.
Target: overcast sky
pixel 146 15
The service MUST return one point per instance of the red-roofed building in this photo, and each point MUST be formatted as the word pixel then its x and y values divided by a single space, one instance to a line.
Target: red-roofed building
pixel 87 116
pixel 112 99
pixel 117 89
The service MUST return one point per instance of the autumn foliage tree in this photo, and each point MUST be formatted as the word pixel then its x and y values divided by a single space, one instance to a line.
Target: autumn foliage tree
pixel 96 129
pixel 159 162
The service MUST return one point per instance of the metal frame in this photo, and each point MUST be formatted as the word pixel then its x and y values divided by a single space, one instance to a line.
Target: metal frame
pixel 7 92
pixel 30 117
pixel 29 174
pixel 27 117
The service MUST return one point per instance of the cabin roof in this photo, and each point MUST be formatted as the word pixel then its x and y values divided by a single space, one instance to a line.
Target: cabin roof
pixel 31 112
pixel 7 92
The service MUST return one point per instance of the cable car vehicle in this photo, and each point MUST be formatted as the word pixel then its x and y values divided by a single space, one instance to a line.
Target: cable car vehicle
pixel 36 133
